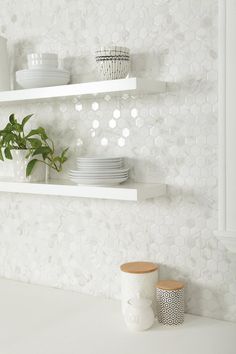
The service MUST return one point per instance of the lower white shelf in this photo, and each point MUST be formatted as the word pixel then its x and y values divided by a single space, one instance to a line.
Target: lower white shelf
pixel 127 191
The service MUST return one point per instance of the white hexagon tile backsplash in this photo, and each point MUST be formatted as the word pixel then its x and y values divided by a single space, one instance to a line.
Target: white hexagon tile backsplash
pixel 79 244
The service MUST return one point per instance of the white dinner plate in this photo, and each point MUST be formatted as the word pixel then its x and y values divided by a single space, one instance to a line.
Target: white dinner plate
pixel 100 182
pixel 113 171
pixel 42 82
pixel 98 169
pixel 97 176
pixel 32 73
pixel 99 158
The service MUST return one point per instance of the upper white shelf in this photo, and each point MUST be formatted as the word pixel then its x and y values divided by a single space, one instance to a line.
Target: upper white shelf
pixel 133 86
pixel 126 191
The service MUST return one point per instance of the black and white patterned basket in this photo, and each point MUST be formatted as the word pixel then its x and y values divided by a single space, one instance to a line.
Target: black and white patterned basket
pixel 170 302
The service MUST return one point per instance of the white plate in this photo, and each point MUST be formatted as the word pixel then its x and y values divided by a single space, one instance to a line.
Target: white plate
pixel 101 165
pixel 42 82
pixel 101 182
pixel 99 161
pixel 98 169
pixel 114 171
pixel 31 73
pixel 92 158
pixel 98 177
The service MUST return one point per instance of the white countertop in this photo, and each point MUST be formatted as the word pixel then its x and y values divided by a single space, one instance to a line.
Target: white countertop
pixel 41 320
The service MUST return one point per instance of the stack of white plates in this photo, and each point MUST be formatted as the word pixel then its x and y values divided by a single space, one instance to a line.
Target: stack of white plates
pixel 99 171
pixel 43 72
pixel 42 78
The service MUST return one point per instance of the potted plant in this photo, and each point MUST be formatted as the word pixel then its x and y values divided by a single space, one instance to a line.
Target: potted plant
pixel 30 151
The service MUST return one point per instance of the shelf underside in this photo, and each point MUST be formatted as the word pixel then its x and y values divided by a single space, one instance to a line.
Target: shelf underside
pixel 126 191
pixel 134 86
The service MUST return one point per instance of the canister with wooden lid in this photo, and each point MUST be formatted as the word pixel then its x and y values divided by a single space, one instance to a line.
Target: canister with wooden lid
pixel 170 302
pixel 138 280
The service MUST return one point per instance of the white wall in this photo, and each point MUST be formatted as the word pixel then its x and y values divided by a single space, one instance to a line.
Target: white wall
pixel 79 244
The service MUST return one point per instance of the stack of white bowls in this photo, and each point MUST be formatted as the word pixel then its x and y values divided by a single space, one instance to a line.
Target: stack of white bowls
pixel 42 72
pixel 99 171
pixel 113 62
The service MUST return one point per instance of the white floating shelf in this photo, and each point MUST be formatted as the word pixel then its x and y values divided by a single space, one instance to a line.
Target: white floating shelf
pixel 126 191
pixel 135 86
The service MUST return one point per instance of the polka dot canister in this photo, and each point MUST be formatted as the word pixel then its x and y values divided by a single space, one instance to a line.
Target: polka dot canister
pixel 170 302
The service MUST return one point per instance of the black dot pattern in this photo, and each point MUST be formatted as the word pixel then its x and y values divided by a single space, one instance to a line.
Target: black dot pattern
pixel 170 306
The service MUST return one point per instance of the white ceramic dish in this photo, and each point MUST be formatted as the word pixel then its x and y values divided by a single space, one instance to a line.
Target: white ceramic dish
pixel 101 182
pixel 42 82
pixel 42 64
pixel 100 158
pixel 98 177
pixel 113 171
pixel 42 78
pixel 99 170
pixel 51 56
pixel 119 164
pixel 100 166
pixel 42 61
pixel 30 73
pixel 97 173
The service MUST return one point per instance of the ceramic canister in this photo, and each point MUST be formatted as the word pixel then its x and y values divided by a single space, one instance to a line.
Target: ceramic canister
pixel 138 279
pixel 170 302
pixel 4 66
pixel 139 315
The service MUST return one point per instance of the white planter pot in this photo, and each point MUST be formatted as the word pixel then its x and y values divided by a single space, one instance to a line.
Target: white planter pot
pixel 4 66
pixel 20 163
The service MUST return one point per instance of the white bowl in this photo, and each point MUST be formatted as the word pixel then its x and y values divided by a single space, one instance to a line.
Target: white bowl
pixel 42 64
pixel 51 56
pixel 43 60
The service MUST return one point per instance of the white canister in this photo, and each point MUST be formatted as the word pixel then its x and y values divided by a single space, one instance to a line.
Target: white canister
pixel 138 279
pixel 4 66
pixel 139 314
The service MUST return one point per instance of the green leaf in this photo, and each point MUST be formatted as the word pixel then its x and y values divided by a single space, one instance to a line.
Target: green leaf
pixel 12 119
pixel 35 143
pixel 1 155
pixel 64 152
pixel 42 133
pixel 57 159
pixel 17 127
pixel 7 153
pixel 30 167
pixel 25 119
pixel 39 131
pixel 7 138
pixel 8 128
pixel 43 150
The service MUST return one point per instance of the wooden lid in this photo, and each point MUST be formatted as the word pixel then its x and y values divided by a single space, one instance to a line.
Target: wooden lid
pixel 170 285
pixel 138 267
